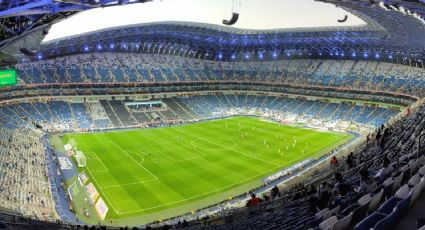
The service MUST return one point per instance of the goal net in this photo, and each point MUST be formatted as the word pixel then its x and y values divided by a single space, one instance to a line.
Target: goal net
pixel 73 144
pixel 81 159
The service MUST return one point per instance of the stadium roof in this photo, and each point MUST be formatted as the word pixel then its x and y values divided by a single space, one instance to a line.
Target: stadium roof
pixel 394 30
pixel 253 15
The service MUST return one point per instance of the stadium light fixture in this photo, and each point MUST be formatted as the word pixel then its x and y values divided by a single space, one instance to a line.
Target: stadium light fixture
pixel 365 55
pixel 233 57
pixel 390 56
pixel 86 48
pixel 274 54
pixel 353 54
pixel 39 56
pixel 260 55
pixel 377 55
pixel 112 45
pixel 220 56
pixel 99 47
pixel 247 56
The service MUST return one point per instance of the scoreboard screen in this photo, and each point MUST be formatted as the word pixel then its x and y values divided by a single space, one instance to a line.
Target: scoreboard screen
pixel 7 77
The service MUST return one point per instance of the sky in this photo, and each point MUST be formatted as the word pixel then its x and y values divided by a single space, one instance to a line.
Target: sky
pixel 254 14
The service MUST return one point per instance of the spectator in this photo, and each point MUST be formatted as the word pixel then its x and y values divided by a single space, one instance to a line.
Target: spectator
pixel 275 192
pixel 322 199
pixel 341 186
pixel 311 190
pixel 350 160
pixel 339 199
pixel 253 201
pixel 386 169
pixel 367 184
pixel 334 163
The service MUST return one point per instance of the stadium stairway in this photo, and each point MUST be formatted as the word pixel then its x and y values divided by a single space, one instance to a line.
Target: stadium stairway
pixel 169 115
pixel 122 113
pixel 174 106
pixel 141 117
pixel 111 114
pixel 186 109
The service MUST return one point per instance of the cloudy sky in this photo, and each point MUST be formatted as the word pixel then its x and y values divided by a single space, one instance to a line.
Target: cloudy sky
pixel 254 14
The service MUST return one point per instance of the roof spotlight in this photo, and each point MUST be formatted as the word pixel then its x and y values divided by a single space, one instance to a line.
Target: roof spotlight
pixel 260 56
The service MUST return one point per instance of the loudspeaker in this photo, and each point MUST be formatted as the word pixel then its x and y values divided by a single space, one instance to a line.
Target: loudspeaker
pixel 232 21
pixel 28 53
pixel 343 20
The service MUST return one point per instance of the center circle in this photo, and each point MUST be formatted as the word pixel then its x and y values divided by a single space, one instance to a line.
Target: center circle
pixel 213 143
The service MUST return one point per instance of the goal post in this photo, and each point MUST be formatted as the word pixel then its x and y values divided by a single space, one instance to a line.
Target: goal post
pixel 70 147
pixel 81 159
pixel 73 144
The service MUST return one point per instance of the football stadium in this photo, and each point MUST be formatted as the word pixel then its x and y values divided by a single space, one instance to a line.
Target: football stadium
pixel 212 114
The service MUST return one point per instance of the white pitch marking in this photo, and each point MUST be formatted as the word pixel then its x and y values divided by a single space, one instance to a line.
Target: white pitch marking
pixel 104 194
pixel 202 194
pixel 135 160
pixel 134 183
pixel 233 150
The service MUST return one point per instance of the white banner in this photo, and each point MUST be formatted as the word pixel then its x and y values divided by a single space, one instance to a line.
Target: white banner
pixel 92 192
pixel 65 163
pixel 101 208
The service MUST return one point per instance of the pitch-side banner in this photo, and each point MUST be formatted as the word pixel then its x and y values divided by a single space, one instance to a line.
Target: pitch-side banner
pixel 92 192
pixel 101 208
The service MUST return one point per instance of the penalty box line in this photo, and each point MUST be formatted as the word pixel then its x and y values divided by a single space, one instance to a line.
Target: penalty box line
pixel 199 195
pixel 233 150
pixel 103 193
pixel 147 170
pixel 100 160
pixel 202 194
pixel 127 184
pixel 172 159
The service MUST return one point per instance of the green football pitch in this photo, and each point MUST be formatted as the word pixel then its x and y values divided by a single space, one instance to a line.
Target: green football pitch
pixel 168 171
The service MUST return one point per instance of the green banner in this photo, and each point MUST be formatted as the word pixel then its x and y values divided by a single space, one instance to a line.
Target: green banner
pixel 7 77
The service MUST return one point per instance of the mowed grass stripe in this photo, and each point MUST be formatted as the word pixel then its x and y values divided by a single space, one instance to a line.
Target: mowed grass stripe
pixel 184 164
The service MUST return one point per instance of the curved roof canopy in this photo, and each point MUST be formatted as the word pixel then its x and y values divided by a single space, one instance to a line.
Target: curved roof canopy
pixel 253 15
pixel 390 29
